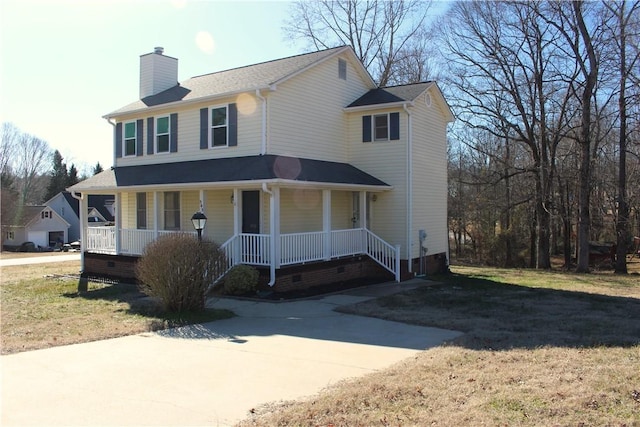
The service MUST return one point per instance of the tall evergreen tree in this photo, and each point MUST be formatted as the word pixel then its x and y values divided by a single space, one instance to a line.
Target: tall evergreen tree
pixel 72 176
pixel 58 177
pixel 97 168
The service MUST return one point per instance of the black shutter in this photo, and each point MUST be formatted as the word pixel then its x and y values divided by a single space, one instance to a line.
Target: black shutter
pixel 139 148
pixel 233 125
pixel 204 128
pixel 151 141
pixel 173 136
pixel 118 140
pixel 394 126
pixel 366 128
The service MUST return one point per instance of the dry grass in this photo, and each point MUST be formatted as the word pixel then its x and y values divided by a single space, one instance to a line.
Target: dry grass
pixel 40 308
pixel 540 349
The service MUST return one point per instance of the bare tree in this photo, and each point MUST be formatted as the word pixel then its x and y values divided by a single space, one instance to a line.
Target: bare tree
pixel 504 74
pixel 383 34
pixel 624 33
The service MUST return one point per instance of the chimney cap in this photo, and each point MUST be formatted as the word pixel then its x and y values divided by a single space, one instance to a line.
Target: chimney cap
pixel 159 50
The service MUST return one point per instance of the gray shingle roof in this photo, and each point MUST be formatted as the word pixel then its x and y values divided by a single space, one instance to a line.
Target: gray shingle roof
pixel 235 80
pixel 386 95
pixel 235 169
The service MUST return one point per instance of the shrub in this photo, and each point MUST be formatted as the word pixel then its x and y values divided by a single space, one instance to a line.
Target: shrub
pixel 241 280
pixel 178 269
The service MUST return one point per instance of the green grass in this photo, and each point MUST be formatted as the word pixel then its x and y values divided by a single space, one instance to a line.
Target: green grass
pixel 40 311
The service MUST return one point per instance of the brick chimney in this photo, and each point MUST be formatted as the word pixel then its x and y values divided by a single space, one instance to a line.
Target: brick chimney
pixel 157 72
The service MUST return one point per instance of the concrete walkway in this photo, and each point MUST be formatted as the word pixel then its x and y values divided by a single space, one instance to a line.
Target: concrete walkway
pixel 55 257
pixel 210 374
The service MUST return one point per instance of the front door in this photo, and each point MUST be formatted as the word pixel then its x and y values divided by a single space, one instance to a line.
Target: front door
pixel 251 212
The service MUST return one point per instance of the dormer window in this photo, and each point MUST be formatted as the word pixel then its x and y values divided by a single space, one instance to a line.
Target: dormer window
pixel 162 134
pixel 130 133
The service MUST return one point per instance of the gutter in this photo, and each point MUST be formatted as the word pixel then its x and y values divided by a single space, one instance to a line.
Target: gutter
pixel 272 241
pixel 409 189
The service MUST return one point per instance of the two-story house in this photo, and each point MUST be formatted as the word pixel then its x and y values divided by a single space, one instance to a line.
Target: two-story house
pixel 303 167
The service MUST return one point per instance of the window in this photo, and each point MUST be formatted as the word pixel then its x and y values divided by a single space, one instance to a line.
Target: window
pixel 162 134
pixel 342 69
pixel 219 127
pixel 141 211
pixel 10 235
pixel 172 210
pixel 381 127
pixel 130 132
pixel 46 214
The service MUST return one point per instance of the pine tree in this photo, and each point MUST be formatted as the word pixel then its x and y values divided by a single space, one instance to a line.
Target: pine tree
pixel 58 176
pixel 97 168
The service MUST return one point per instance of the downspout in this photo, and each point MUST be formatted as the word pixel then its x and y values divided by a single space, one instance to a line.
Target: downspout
pixel 409 189
pixel 272 241
pixel 263 148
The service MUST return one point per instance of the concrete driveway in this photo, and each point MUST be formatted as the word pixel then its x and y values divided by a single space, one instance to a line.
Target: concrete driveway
pixel 210 374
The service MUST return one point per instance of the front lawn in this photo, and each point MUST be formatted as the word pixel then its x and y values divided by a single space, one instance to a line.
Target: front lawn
pixel 41 308
pixel 540 349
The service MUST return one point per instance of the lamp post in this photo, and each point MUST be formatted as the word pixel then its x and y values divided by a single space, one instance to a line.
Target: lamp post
pixel 199 220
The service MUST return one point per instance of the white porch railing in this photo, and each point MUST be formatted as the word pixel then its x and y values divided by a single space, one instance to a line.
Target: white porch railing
pixel 383 253
pixel 255 249
pixel 298 248
pixel 101 240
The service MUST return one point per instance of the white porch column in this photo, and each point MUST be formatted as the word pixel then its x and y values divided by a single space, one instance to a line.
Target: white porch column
pixel 118 221
pixel 326 224
pixel 84 213
pixel 203 206
pixel 362 201
pixel 237 218
pixel 237 226
pixel 156 215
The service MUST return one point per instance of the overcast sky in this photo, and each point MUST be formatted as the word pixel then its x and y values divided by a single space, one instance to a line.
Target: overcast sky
pixel 65 64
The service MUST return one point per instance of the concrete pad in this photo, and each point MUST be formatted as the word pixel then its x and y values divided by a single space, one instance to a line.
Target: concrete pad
pixel 210 374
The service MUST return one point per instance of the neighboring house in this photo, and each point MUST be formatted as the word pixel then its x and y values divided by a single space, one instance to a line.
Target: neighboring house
pixel 38 224
pixel 100 211
pixel 302 165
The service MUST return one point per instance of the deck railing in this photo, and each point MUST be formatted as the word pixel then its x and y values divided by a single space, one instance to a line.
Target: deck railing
pixel 255 249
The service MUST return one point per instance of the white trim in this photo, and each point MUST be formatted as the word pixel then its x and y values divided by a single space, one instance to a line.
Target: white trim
pixel 210 126
pixel 239 184
pixel 135 138
pixel 388 105
pixel 156 134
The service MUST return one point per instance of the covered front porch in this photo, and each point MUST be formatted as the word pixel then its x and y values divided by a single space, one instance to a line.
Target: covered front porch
pixel 267 210
pixel 273 226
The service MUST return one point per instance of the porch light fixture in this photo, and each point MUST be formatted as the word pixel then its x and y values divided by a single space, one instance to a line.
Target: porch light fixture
pixel 199 220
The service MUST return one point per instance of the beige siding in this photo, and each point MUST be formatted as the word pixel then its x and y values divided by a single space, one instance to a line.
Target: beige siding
pixel 128 210
pixel 429 176
pixel 219 212
pixel 305 112
pixel 249 133
pixel 386 161
pixel 300 210
pixel 341 210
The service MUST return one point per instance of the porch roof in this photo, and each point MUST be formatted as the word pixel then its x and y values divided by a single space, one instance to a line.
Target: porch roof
pixel 229 171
